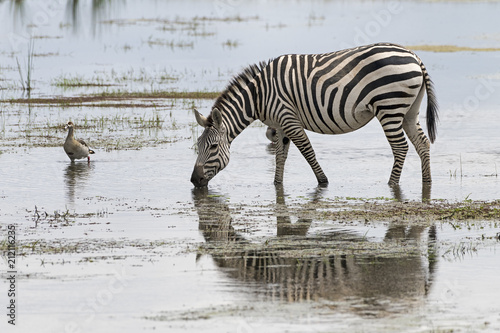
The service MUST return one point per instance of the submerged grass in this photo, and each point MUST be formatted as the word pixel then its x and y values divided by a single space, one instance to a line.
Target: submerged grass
pixel 336 241
pixel 111 130
pixel 114 96
pixel 115 78
pixel 406 218
pixel 451 48
pixel 77 81
pixel 182 22
pixel 393 211
pixel 59 246
pixel 160 94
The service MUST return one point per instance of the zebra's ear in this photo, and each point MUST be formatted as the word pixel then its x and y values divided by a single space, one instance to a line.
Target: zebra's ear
pixel 201 119
pixel 217 118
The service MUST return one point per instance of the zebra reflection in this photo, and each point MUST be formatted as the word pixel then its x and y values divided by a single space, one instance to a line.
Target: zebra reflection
pixel 214 217
pixel 405 277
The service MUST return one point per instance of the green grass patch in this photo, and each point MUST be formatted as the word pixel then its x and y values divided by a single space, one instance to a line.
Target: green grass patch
pixel 78 81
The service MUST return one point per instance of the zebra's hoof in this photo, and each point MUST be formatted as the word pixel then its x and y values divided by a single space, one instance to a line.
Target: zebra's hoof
pixel 323 181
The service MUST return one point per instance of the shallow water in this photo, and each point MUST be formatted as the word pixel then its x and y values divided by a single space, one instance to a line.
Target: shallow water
pixel 125 243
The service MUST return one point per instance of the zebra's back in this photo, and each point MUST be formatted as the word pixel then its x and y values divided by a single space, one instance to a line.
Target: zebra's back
pixel 340 92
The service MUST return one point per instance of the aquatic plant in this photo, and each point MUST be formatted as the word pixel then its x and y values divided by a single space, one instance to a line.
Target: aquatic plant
pixel 78 81
pixel 116 96
pixel 26 82
pixel 451 48
pixel 230 44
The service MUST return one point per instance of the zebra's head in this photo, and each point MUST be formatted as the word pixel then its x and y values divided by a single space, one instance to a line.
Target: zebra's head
pixel 213 148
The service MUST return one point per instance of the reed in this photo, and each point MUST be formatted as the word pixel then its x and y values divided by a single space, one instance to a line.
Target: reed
pixel 26 80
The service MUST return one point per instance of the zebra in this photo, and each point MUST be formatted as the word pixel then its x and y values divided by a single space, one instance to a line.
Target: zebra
pixel 331 93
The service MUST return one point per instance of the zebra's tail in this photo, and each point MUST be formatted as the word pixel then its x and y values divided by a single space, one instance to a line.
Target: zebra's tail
pixel 432 106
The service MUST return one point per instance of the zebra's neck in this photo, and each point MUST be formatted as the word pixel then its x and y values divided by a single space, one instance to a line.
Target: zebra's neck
pixel 239 101
pixel 237 116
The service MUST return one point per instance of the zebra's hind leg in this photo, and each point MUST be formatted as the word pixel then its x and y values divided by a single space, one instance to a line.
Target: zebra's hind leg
pixel 282 144
pixel 392 123
pixel 414 131
pixel 422 146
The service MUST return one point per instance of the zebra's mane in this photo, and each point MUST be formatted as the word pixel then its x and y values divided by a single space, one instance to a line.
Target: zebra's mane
pixel 238 82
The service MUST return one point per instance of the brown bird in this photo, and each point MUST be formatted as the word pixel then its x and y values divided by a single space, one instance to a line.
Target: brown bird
pixel 75 149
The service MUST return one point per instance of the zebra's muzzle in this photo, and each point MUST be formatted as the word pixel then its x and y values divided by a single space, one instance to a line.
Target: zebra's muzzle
pixel 198 177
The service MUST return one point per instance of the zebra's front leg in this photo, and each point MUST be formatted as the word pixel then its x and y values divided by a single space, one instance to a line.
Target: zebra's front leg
pixel 282 144
pixel 299 138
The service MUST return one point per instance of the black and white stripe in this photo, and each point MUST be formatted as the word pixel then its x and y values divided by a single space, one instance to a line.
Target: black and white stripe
pixel 331 93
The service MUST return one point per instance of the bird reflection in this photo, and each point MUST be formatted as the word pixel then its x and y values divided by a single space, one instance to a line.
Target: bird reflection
pixel 75 176
pixel 367 276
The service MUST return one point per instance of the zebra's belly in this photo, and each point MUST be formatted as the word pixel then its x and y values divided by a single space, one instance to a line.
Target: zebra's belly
pixel 322 122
